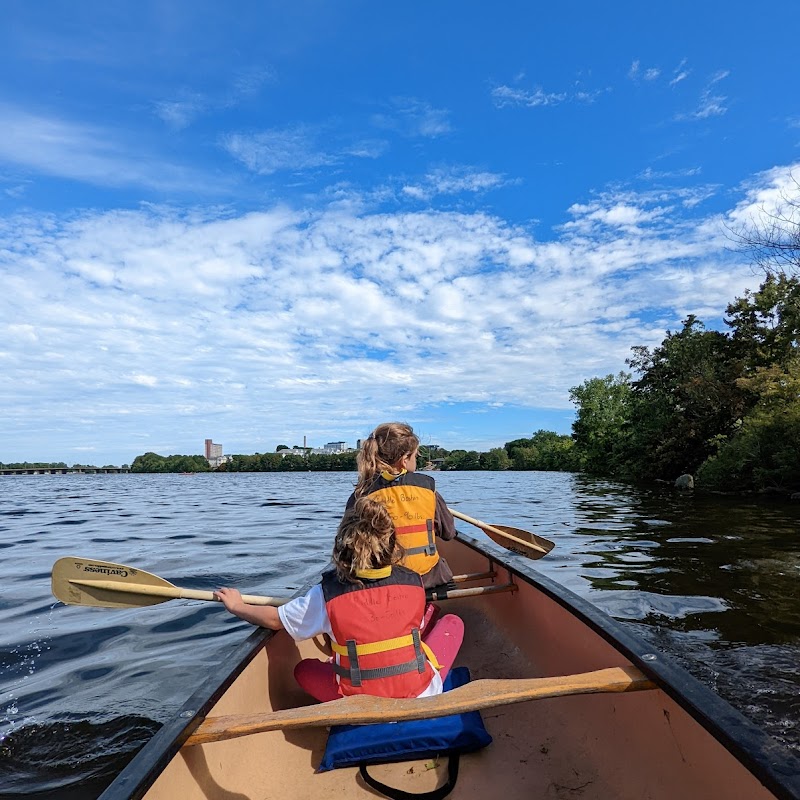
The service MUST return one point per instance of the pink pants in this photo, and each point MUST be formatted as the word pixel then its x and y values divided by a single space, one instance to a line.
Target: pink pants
pixel 445 637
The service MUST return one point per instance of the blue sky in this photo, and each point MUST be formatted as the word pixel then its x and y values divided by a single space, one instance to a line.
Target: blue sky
pixel 260 221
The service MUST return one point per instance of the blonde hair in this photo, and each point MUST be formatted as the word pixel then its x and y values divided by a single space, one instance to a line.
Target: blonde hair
pixel 365 539
pixel 381 450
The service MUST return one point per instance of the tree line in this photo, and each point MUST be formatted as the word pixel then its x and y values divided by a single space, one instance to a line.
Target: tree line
pixel 723 406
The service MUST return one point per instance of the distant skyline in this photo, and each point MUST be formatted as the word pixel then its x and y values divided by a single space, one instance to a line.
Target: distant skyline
pixel 305 219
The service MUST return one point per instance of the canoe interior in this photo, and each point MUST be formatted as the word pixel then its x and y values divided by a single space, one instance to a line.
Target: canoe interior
pixel 636 746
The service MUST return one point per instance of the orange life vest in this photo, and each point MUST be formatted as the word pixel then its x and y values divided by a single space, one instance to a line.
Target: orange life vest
pixel 376 636
pixel 410 499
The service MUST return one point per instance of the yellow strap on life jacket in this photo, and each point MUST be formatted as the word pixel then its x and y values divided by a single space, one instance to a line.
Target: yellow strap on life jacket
pixel 431 656
pixel 374 574
pixel 390 476
pixel 385 645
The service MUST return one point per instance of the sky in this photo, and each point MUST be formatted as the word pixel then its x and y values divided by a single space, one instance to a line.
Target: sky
pixel 266 223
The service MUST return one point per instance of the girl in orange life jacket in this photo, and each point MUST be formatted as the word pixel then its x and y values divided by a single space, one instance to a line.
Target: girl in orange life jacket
pixel 387 462
pixel 372 609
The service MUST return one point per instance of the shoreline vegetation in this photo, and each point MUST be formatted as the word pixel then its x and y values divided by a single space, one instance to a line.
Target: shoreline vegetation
pixel 722 407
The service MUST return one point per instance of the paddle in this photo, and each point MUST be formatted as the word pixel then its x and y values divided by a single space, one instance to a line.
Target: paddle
pixel 364 709
pixel 86 582
pixel 517 540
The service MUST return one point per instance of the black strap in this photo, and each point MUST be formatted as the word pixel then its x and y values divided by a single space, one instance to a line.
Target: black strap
pixel 439 592
pixel 398 794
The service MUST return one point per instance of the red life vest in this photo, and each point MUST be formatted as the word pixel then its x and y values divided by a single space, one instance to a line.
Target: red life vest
pixel 376 635
pixel 410 499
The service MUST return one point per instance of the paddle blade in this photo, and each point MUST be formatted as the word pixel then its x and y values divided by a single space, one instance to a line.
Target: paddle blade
pixel 540 546
pixel 68 571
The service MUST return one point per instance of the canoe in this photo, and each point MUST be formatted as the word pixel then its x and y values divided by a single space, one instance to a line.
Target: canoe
pixel 676 739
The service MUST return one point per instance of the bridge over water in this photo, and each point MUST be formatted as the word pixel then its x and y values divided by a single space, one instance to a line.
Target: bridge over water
pixel 65 471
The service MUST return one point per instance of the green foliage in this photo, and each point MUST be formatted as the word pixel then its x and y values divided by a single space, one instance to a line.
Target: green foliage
pixel 685 396
pixel 275 462
pixel 600 428
pixel 496 459
pixel 463 460
pixel 545 450
pixel 763 453
pixel 152 462
pixel 430 452
pixel 766 323
pixel 725 406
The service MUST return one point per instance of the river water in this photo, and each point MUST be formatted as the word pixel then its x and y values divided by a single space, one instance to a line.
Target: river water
pixel 710 580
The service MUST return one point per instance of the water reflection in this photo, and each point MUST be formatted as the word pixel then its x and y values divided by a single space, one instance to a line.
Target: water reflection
pixel 743 556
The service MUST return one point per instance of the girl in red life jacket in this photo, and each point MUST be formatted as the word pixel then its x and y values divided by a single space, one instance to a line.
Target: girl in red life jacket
pixel 387 463
pixel 372 608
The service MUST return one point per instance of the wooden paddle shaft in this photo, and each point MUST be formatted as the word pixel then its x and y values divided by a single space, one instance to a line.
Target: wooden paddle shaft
pixel 478 524
pixel 433 595
pixel 475 576
pixel 174 592
pixel 365 709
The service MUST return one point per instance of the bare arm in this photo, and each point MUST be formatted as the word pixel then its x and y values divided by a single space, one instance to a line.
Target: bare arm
pixel 265 616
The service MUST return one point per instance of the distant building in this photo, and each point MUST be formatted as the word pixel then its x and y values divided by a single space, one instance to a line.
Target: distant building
pixel 214 454
pixel 331 448
pixel 295 451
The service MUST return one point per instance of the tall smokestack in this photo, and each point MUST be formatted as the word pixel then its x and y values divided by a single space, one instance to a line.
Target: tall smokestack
pixel 304 443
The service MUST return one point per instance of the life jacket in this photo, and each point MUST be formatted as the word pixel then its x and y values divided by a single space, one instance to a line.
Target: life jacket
pixel 410 499
pixel 376 637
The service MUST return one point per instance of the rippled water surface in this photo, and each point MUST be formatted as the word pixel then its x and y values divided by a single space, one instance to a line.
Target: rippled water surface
pixel 711 580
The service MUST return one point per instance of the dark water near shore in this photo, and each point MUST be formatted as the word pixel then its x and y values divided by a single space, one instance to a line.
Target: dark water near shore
pixel 711 580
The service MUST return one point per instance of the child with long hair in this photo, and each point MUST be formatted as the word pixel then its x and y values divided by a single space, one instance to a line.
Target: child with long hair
pixel 387 463
pixel 372 608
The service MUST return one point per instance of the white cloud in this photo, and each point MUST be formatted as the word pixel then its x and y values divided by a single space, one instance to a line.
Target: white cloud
pixel 151 316
pixel 636 73
pixel 413 117
pixel 680 73
pixel 296 148
pixel 766 197
pixel 711 104
pixel 179 114
pixel 293 148
pixel 509 96
pixel 505 96
pixel 183 110
pixel 53 146
pixel 453 180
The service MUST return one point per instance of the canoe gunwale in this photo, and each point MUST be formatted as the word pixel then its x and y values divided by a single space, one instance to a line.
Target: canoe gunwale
pixel 765 757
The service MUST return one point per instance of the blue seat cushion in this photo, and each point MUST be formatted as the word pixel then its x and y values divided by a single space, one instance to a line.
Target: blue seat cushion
pixel 351 745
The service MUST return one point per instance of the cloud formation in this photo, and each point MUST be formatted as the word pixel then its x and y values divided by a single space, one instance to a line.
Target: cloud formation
pixel 277 322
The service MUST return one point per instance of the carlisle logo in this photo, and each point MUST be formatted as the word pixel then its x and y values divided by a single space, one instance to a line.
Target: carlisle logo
pixel 102 569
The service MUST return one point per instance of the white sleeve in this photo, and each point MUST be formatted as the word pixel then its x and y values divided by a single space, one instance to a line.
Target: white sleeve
pixel 306 616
